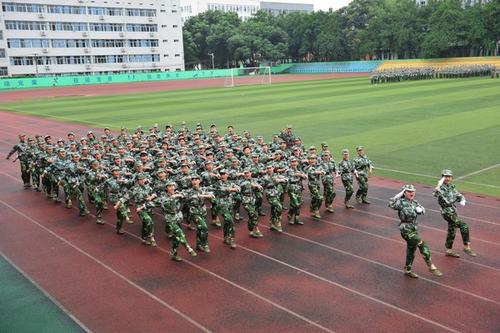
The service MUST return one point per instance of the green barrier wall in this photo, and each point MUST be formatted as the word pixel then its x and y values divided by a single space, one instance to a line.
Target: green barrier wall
pixel 63 81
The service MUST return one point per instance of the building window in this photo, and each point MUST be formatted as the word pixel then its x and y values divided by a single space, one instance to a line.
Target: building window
pixel 4 71
pixel 2 53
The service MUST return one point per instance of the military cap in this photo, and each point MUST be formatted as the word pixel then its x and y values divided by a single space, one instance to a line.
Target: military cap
pixel 289 126
pixel 90 132
pixel 446 172
pixel 278 152
pixel 85 148
pixel 83 139
pixel 324 144
pixel 47 137
pixel 106 128
pixel 255 155
pixel 49 147
pixel 104 136
pixel 294 159
pixel 234 159
pixel 60 140
pixel 213 125
pixel 168 126
pixel 75 155
pixel 345 151
pixel 270 166
pixel 155 125
pixel 195 176
pixel 171 183
pixel 185 165
pixel 358 148
pixel 312 157
pixel 31 139
pixel 208 162
pixel 160 171
pixel 22 134
pixel 222 171
pixel 312 147
pixel 247 170
pixel 137 164
pixel 260 137
pixel 209 152
pixel 409 188
pixel 115 169
pixel 94 162
pixel 71 133
pixel 123 129
pixel 61 150
pixel 326 153
pixel 140 176
pixel 183 122
pixel 142 153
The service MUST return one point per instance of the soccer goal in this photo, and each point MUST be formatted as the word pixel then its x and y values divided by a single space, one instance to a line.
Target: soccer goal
pixel 247 76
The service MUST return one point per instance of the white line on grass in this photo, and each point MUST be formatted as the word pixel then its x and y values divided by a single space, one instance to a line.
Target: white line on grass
pixel 130 282
pixel 49 296
pixel 478 171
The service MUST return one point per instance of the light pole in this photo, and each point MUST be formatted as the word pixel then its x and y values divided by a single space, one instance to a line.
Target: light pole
pixel 35 57
pixel 212 55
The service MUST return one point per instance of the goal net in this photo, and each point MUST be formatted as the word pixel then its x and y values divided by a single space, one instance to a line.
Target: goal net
pixel 247 76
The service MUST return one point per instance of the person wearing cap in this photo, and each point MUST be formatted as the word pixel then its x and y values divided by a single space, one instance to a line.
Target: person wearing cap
pixel 170 203
pixel 223 191
pixel 287 135
pixel 23 155
pixel 448 196
pixel 257 169
pixel 115 187
pixel 107 132
pixel 408 211
pixel 248 187
pixel 74 174
pixel 328 165
pixel 45 159
pixel 208 179
pixel 195 201
pixel 54 173
pixel 142 194
pixel 363 167
pixel 36 165
pixel 295 188
pixel 160 181
pixel 270 182
pixel 347 170
pixel 314 175
pixel 94 180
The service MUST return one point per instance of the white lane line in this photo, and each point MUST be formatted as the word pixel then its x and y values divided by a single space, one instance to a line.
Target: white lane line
pixel 478 171
pixel 133 284
pixel 325 280
pixel 49 296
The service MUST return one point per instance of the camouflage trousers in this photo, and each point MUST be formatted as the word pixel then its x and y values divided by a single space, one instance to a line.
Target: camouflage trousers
pixel 295 195
pixel 409 232
pixel 96 198
pixel 316 197
pixel 455 222
pixel 147 229
pixel 362 191
pixel 329 193
pixel 199 220
pixel 249 206
pixel 174 231
pixel 276 209
pixel 348 189
pixel 227 220
pixel 214 210
pixel 259 197
pixel 35 177
pixel 75 191
pixel 121 214
pixel 25 174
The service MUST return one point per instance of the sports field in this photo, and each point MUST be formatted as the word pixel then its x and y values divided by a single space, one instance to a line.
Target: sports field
pixel 411 130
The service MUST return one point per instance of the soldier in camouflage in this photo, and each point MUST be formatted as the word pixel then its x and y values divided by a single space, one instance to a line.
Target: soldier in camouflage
pixel 448 196
pixel 363 167
pixel 270 182
pixel 195 200
pixel 328 165
pixel 223 191
pixel 94 180
pixel 408 210
pixel 347 169
pixel 295 188
pixel 314 174
pixel 115 187
pixel 23 155
pixel 247 190
pixel 170 205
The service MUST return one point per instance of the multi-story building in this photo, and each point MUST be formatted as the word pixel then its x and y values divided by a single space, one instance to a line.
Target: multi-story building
pixel 244 8
pixel 55 37
pixel 278 8
pixel 464 2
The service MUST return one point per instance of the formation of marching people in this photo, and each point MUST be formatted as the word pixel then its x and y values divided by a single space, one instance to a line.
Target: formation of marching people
pixel 429 72
pixel 189 173
pixel 185 173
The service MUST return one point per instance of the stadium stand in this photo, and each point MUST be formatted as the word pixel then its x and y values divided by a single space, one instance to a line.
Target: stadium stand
pixel 334 67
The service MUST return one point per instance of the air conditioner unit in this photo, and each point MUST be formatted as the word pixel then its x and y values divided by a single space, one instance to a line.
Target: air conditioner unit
pixel 45 50
pixel 122 34
pixel 150 19
pixel 43 33
pixel 124 66
pixel 86 50
pixel 41 16
pixel 123 50
pixel 101 18
pixel 47 68
pixel 85 34
pixel 88 67
pixel 154 65
pixel 152 34
pixel 81 1
pixel 153 49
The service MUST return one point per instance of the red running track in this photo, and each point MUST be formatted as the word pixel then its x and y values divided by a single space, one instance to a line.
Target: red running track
pixel 341 273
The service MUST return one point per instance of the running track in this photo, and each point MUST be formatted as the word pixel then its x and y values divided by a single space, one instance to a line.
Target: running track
pixel 341 273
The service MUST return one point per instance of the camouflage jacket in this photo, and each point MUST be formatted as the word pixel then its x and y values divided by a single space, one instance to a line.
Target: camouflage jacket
pixel 362 165
pixel 447 197
pixel 346 169
pixel 406 209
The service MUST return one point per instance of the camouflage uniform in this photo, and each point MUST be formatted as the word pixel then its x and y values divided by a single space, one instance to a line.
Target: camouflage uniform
pixel 314 173
pixel 448 196
pixel 363 166
pixel 270 183
pixel 223 191
pixel 248 187
pixel 115 188
pixel 295 188
pixel 407 213
pixel 171 207
pixel 94 181
pixel 198 212
pixel 328 165
pixel 346 169
pixel 24 155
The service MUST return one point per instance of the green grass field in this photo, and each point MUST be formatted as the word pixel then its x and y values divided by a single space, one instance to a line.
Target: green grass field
pixel 410 130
